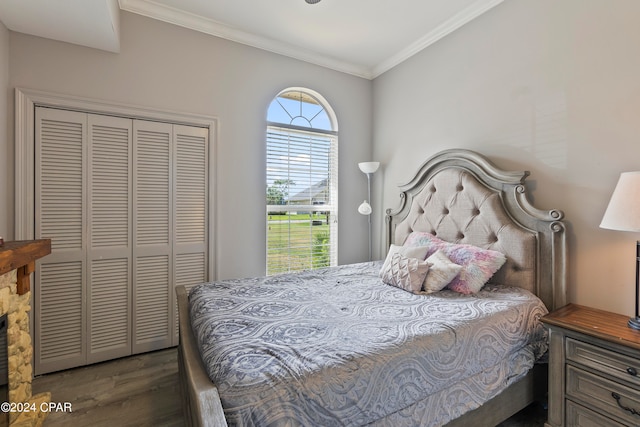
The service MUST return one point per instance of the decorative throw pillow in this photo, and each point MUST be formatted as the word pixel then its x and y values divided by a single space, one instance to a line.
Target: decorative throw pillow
pixel 478 265
pixel 414 251
pixel 441 272
pixel 405 273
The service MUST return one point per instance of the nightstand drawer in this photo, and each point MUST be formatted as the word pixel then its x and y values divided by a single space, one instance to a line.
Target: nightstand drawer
pixel 615 364
pixel 579 416
pixel 600 394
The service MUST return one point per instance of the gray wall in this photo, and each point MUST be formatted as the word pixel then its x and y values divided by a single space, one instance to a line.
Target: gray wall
pixel 168 67
pixel 543 85
pixel 6 149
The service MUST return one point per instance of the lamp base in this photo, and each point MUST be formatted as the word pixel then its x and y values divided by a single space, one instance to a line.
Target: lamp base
pixel 634 323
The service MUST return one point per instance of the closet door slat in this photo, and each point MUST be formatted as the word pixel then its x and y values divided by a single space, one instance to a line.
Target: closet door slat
pixel 191 189
pixel 109 237
pixel 60 203
pixel 152 247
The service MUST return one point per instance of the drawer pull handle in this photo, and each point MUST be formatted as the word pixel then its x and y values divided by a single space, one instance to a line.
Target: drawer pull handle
pixel 616 396
pixel 632 371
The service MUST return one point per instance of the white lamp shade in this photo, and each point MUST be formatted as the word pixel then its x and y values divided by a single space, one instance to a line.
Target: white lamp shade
pixel 369 167
pixel 623 212
pixel 365 208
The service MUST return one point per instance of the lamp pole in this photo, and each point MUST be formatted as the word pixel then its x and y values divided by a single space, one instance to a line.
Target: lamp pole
pixel 368 168
pixel 369 216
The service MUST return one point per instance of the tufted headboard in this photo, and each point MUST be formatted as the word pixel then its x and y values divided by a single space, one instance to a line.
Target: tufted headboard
pixel 461 197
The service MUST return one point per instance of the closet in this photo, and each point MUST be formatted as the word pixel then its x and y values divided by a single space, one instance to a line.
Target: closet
pixel 125 202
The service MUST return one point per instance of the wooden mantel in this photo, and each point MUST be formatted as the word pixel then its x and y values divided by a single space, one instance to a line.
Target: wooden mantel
pixel 21 255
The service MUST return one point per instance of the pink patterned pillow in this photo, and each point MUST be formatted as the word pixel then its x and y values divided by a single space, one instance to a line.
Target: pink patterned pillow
pixel 478 265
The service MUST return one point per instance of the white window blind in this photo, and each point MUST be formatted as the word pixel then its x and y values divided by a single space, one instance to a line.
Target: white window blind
pixel 302 196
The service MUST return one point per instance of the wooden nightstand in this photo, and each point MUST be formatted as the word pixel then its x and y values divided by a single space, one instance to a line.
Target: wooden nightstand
pixel 594 369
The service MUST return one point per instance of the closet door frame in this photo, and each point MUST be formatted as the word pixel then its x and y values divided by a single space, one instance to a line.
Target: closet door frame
pixel 25 102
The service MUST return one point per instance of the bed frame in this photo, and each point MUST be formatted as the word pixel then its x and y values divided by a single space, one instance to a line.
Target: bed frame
pixel 448 197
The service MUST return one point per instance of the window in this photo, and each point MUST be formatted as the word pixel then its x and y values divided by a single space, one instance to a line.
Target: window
pixel 302 182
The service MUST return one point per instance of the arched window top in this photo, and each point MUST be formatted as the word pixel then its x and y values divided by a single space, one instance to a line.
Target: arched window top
pixel 302 108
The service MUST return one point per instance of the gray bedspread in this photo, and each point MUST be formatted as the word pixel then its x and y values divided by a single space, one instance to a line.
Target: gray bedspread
pixel 337 347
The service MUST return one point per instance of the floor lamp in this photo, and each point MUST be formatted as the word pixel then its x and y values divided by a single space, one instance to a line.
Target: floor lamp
pixel 368 168
pixel 623 213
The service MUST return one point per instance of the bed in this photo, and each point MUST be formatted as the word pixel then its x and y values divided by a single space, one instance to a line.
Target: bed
pixel 340 347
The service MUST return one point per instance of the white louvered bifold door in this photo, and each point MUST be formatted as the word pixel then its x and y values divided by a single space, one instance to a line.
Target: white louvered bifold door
pixel 60 159
pixel 109 237
pixel 191 148
pixel 125 203
pixel 152 221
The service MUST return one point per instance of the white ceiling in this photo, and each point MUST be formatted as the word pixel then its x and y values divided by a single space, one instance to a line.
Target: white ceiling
pixel 359 37
pixel 92 23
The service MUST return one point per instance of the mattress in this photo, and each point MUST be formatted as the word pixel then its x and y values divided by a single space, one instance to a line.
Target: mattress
pixel 337 346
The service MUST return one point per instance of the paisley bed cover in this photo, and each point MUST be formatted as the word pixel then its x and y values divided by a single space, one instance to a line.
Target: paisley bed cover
pixel 337 347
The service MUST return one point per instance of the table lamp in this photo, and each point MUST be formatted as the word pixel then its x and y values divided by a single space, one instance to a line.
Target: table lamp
pixel 623 213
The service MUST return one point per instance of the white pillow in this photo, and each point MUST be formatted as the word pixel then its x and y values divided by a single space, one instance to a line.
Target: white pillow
pixel 441 272
pixel 405 273
pixel 419 252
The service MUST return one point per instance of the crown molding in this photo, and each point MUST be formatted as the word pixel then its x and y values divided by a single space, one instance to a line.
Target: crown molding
pixel 151 9
pixel 184 19
pixel 458 20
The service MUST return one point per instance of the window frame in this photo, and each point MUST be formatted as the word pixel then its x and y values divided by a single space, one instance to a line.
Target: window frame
pixel 297 131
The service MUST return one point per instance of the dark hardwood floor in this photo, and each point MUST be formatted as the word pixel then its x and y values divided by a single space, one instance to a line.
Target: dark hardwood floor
pixel 143 391
pixel 140 390
pixel 532 416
